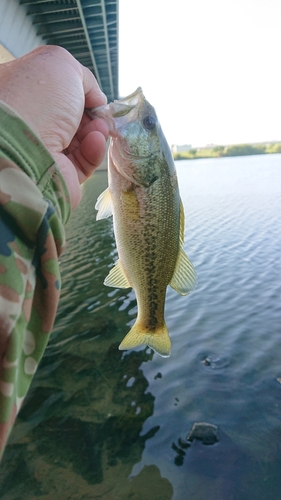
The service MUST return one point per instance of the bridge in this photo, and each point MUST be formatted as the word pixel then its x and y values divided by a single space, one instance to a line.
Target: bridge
pixel 88 29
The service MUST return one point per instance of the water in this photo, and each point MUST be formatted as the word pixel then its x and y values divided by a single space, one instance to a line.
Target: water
pixel 100 423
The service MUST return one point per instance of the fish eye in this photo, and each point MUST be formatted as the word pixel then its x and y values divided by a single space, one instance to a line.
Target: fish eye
pixel 149 122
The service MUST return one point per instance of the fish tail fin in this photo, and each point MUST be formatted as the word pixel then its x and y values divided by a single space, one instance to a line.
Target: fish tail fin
pixel 158 340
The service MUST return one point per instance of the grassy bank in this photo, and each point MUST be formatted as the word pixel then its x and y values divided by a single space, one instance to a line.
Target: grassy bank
pixel 232 150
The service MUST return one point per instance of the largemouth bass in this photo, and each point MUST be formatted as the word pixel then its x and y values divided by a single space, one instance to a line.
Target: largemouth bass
pixel 148 217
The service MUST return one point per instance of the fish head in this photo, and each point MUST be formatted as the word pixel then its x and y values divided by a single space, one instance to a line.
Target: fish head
pixel 138 148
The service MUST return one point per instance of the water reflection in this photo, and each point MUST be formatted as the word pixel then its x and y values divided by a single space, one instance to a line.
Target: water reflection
pixel 83 420
pixel 80 427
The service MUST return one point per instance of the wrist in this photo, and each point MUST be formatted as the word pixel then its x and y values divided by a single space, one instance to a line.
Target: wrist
pixel 19 144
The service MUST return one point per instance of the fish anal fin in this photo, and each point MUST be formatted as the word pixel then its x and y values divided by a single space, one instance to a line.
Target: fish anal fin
pixel 116 277
pixel 104 205
pixel 158 340
pixel 184 279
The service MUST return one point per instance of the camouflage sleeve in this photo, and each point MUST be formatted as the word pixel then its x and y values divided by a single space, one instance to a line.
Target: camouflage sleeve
pixel 34 207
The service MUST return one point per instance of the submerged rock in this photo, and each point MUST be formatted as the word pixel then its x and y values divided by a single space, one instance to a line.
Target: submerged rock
pixel 207 433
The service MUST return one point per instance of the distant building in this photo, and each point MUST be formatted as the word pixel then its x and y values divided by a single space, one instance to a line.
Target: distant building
pixel 180 149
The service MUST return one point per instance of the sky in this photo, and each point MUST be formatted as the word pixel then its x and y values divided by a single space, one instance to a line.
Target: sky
pixel 211 68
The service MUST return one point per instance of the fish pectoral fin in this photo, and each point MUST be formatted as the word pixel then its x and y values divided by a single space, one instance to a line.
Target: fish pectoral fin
pixel 104 205
pixel 184 279
pixel 116 277
pixel 159 340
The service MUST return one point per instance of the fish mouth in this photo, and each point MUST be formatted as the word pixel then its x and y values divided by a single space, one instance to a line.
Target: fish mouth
pixel 116 113
pixel 134 98
pixel 122 110
pixel 129 105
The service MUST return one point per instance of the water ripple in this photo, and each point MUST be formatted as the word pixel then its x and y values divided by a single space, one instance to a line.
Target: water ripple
pixel 132 411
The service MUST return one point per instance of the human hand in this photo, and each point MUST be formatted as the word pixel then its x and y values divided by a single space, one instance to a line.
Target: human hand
pixel 50 90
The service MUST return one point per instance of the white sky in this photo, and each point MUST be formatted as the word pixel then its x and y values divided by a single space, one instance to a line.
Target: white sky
pixel 211 68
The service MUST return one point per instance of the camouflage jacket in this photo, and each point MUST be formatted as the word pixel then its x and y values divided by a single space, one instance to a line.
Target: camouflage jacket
pixel 34 207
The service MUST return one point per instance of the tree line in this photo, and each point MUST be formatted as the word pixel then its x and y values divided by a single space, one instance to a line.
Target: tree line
pixel 231 150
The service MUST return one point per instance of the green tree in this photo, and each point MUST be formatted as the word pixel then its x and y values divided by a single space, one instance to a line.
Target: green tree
pixel 241 150
pixel 275 148
pixel 192 151
pixel 218 150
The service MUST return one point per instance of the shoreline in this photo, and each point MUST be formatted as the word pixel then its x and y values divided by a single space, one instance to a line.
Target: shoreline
pixel 228 151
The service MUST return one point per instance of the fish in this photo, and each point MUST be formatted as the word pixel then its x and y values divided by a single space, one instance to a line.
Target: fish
pixel 148 217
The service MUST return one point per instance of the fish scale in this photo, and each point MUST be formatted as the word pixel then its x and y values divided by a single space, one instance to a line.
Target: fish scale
pixel 154 256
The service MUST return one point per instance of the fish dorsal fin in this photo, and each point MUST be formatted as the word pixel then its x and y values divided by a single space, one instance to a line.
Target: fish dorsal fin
pixel 181 224
pixel 116 277
pixel 104 205
pixel 184 279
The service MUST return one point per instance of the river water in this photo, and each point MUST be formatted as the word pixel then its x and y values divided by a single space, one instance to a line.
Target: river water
pixel 101 423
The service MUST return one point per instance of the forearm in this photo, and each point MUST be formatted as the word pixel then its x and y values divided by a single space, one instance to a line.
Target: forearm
pixel 34 207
